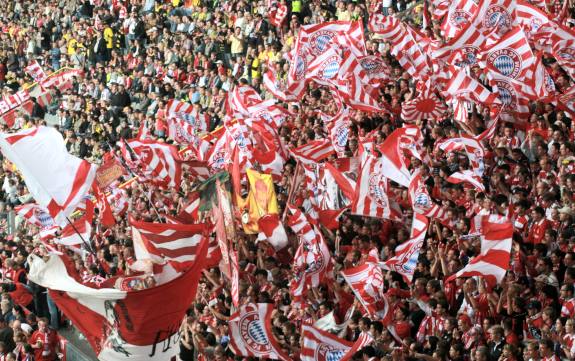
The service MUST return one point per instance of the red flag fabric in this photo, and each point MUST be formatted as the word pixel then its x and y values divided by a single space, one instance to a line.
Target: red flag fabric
pixel 319 345
pixel 121 325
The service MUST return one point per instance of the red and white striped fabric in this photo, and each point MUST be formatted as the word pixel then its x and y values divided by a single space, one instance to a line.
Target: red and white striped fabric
pixel 426 106
pixel 14 101
pixel 314 151
pixel 515 105
pixel 338 129
pixel 495 17
pixel 344 34
pixel 277 88
pixel 474 150
pixel 409 54
pixel 463 86
pixel 277 15
pixel 467 176
pixel 387 27
pixel 118 200
pixel 376 70
pixel 99 313
pixel 463 48
pixel 534 21
pixel 394 161
pixel 459 15
pixel 563 49
pixel 271 113
pixel 366 282
pixel 190 114
pixel 235 284
pixel 493 261
pixel 177 244
pixel 319 345
pixel 220 154
pixel 181 131
pixel 35 71
pixel 371 196
pixel 312 260
pixel 35 214
pixel 511 58
pixel 57 180
pixel 420 199
pixel 335 190
pixel 76 233
pixel 61 79
pixel 251 333
pixel 239 99
pixel 155 162
pixel 406 255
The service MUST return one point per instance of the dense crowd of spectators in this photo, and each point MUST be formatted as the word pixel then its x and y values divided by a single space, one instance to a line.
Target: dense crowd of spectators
pixel 138 54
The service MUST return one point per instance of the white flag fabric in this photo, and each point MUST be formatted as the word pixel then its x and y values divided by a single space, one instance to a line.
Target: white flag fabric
pixel 56 179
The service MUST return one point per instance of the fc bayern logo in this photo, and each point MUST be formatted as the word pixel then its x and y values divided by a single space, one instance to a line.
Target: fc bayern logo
pixel 219 160
pixel 422 199
pixel 371 65
pixel 534 24
pixel 330 68
pixel 377 190
pixel 497 15
pixel 506 92
pixel 320 41
pixel 325 352
pixel 469 55
pixel 566 54
pixel 341 135
pixel 253 333
pixel 506 61
pixel 459 18
pixel 300 66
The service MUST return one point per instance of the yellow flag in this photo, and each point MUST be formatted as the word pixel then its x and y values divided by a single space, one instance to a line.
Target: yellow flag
pixel 261 200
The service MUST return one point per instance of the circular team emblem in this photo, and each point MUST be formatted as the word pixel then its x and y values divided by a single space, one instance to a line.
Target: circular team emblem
pixel 183 136
pixel 422 199
pixel 506 61
pixel 497 16
pixel 341 136
pixel 506 93
pixel 253 333
pixel 549 83
pixel 372 65
pixel 314 260
pixel 330 68
pixel 241 140
pixel 325 352
pixel 320 40
pixel 534 24
pixel 300 66
pixel 469 55
pixel 219 160
pixel 566 54
pixel 265 116
pixel 377 189
pixel 459 18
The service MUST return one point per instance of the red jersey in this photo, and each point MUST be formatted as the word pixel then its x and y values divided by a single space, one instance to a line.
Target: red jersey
pixel 49 341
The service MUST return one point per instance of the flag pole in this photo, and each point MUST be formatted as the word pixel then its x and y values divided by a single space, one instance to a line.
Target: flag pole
pixel 86 243
pixel 125 165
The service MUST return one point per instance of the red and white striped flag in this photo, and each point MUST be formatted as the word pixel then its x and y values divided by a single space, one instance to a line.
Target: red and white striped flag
pixel 463 86
pixel 371 196
pixel 277 15
pixel 251 333
pixel 338 129
pixel 394 161
pixel 35 214
pixel 177 244
pixel 467 176
pixel 312 260
pixel 61 79
pixel 420 199
pixel 191 114
pixel 406 255
pixel 155 162
pixel 35 71
pixel 102 314
pixel 240 98
pixel 459 15
pixel 314 151
pixel 493 261
pixel 57 180
pixel 474 150
pixel 366 282
pixel 319 345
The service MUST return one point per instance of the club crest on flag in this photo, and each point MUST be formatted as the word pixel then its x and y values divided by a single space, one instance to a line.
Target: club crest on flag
pixel 506 92
pixel 329 68
pixel 253 334
pixel 459 18
pixel 320 40
pixel 300 65
pixel 325 352
pixel 372 65
pixel 506 61
pixel 219 160
pixel 422 199
pixel 377 190
pixel 182 135
pixel 188 118
pixel 341 136
pixel 497 15
pixel 469 53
